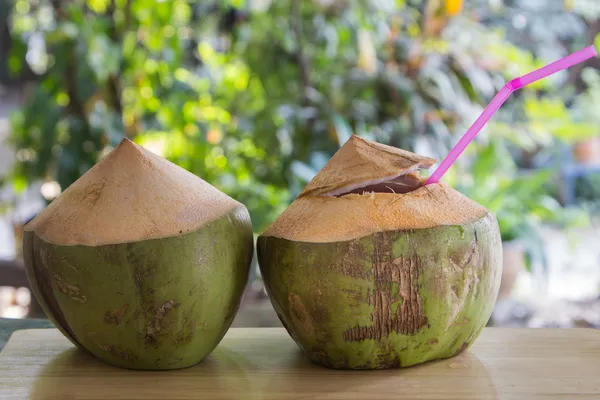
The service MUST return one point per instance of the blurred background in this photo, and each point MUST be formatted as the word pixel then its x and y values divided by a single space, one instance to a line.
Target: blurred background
pixel 255 96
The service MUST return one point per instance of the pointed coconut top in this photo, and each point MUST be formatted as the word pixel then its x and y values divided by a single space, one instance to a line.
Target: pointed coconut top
pixel 130 195
pixel 367 188
pixel 359 161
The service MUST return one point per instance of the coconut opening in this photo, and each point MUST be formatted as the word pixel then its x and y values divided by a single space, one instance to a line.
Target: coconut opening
pixel 387 195
pixel 400 184
pixel 360 163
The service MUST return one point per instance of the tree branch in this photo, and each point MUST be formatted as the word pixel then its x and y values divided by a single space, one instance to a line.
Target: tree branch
pixel 114 81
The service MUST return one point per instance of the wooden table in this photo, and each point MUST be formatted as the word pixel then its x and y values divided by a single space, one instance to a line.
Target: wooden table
pixel 9 325
pixel 264 363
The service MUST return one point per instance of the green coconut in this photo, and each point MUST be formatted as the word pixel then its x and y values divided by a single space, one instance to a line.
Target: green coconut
pixel 368 268
pixel 140 262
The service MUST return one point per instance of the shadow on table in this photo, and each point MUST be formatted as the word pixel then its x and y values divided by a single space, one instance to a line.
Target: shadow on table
pixel 227 374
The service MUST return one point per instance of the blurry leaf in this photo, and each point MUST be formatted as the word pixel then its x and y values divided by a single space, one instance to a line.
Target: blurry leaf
pixel 485 164
pixel 75 13
pixel 303 171
pixel 98 6
pixel 318 159
pixel 129 44
pixel 342 129
pixel 15 64
pixel 104 57
pixel 19 184
pixel 367 59
pixel 234 3
pixel 467 85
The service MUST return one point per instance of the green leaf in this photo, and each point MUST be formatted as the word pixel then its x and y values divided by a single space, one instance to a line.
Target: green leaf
pixel 342 129
pixel 98 6
pixel 19 184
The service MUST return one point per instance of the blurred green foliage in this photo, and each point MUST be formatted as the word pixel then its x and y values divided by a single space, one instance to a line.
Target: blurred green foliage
pixel 255 98
pixel 110 69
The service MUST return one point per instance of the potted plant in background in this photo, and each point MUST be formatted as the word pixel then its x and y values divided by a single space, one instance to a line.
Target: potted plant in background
pixel 585 113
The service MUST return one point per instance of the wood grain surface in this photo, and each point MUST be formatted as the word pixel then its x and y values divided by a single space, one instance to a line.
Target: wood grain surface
pixel 264 363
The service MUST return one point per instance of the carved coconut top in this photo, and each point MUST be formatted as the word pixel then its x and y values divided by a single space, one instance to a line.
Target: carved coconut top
pixel 130 195
pixel 366 188
pixel 360 161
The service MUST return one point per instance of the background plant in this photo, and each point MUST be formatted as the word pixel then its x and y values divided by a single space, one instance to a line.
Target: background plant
pixel 254 98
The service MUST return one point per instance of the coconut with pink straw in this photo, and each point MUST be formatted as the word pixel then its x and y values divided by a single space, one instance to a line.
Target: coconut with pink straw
pixel 369 268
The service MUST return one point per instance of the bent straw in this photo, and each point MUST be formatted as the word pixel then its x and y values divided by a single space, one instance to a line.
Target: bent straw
pixel 500 98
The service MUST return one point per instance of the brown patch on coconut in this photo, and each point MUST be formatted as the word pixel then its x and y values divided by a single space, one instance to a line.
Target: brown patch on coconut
pixel 349 265
pixel 117 351
pixel 408 318
pixel 462 348
pixel 157 324
pixel 73 292
pixel 114 316
pixel 187 332
pixel 301 317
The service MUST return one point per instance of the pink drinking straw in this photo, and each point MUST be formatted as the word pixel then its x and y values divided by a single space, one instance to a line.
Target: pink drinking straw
pixel 500 98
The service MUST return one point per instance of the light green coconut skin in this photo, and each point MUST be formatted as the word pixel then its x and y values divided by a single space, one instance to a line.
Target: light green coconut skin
pixel 151 305
pixel 392 299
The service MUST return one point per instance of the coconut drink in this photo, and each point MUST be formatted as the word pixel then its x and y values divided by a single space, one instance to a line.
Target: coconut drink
pixel 369 268
pixel 140 262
